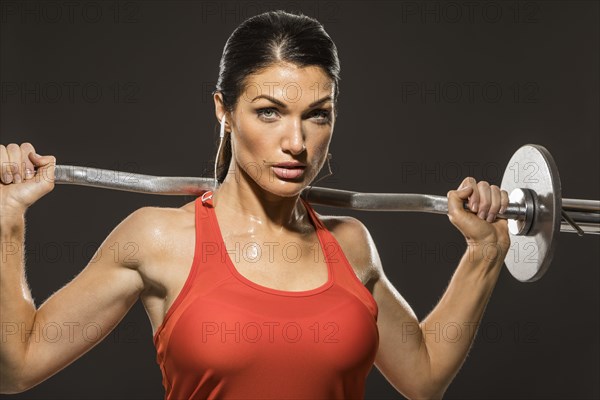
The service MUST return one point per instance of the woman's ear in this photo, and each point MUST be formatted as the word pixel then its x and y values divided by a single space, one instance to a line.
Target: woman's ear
pixel 220 110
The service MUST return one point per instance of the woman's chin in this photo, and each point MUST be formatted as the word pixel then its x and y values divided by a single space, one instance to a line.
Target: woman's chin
pixel 286 188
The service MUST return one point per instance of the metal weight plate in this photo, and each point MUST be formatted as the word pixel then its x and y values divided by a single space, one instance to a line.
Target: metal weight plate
pixel 532 167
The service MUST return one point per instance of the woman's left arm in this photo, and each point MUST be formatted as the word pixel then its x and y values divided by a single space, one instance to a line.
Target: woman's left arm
pixel 420 359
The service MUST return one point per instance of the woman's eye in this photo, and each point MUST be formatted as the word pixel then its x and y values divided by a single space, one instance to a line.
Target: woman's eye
pixel 323 116
pixel 266 113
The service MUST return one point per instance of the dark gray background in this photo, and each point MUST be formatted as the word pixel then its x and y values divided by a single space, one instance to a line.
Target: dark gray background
pixel 533 67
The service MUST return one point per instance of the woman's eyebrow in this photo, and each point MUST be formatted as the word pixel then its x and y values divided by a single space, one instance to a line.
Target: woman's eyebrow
pixel 282 105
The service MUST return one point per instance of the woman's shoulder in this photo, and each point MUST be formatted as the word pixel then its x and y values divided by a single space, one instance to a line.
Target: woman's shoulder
pixel 343 225
pixel 153 227
pixel 355 241
pixel 160 217
pixel 343 222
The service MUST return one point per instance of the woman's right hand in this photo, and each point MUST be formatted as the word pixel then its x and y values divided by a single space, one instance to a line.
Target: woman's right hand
pixel 24 177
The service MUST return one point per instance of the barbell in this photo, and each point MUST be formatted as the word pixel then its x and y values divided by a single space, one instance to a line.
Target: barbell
pixel 536 211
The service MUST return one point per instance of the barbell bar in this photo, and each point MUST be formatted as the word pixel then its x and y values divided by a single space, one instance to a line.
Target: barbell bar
pixel 535 214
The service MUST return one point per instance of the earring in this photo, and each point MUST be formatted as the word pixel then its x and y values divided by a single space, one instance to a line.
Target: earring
pixel 221 135
pixel 329 157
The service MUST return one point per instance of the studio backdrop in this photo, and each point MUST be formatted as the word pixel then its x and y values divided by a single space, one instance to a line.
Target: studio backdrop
pixel 431 92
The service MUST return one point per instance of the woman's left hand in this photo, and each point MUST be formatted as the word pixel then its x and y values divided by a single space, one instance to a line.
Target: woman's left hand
pixel 480 227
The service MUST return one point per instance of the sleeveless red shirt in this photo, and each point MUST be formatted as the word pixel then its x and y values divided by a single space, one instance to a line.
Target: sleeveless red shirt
pixel 228 337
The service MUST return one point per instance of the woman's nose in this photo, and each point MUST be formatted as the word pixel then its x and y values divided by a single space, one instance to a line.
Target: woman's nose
pixel 294 140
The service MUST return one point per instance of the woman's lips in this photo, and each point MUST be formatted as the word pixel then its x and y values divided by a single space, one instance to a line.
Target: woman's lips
pixel 289 164
pixel 288 173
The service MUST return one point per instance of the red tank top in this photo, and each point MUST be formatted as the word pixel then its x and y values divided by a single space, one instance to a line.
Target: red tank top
pixel 228 337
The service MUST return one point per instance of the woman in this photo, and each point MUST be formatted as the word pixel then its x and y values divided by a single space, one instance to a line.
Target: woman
pixel 250 292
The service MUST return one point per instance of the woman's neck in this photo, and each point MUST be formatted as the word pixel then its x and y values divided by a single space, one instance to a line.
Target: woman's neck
pixel 265 211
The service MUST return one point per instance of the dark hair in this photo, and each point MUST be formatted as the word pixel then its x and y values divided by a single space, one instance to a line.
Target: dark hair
pixel 264 40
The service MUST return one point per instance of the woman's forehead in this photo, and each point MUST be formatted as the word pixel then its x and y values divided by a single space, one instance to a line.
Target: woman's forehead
pixel 287 81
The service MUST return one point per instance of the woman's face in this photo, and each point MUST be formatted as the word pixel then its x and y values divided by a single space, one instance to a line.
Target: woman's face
pixel 285 114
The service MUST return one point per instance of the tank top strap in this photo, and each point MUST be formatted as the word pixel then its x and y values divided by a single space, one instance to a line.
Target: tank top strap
pixel 316 221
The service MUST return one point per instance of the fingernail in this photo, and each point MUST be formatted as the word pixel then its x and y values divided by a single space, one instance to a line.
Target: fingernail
pixel 502 209
pixel 28 173
pixel 17 178
pixel 491 218
pixel 474 207
pixel 481 215
pixel 6 178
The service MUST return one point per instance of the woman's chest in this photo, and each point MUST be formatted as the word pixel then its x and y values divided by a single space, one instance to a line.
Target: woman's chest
pixel 283 263
pixel 234 329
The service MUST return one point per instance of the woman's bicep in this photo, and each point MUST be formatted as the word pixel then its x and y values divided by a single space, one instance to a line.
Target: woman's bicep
pixel 84 311
pixel 402 357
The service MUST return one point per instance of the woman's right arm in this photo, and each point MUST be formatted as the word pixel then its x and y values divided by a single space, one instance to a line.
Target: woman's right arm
pixel 37 343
